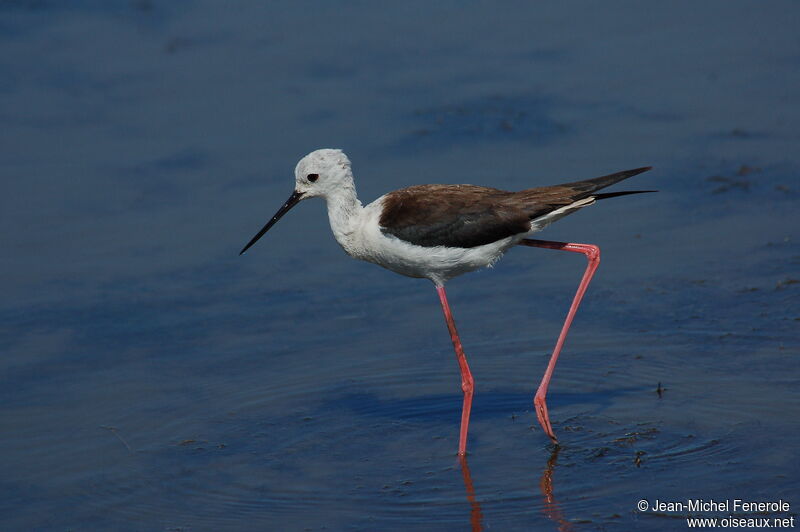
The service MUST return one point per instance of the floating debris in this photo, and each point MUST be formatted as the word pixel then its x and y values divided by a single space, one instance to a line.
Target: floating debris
pixel 638 459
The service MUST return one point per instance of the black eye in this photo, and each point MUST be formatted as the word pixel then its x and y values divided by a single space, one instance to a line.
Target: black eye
pixel 312 177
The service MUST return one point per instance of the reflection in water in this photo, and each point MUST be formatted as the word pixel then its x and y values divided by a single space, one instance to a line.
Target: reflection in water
pixel 551 508
pixel 475 515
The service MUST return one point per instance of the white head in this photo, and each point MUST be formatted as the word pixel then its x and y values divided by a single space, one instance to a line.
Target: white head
pixel 320 173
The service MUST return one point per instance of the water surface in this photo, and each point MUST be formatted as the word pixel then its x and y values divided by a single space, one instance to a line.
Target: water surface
pixel 152 379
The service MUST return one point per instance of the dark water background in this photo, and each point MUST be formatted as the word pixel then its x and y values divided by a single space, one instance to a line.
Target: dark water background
pixel 151 379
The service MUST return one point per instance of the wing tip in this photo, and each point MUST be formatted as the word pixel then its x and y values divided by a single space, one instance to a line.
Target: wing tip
pixel 637 171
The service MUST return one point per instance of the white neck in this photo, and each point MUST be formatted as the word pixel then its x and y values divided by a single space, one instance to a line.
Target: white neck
pixel 344 211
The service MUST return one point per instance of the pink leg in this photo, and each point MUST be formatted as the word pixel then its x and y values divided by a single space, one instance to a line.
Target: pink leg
pixel 593 255
pixel 467 383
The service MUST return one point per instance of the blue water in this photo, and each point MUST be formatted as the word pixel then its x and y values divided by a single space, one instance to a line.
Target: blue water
pixel 152 379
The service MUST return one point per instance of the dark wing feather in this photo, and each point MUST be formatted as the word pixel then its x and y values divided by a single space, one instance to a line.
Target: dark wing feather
pixel 585 188
pixel 544 200
pixel 462 216
pixel 468 216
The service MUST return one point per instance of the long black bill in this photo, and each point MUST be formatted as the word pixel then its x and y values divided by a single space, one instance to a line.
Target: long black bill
pixel 293 200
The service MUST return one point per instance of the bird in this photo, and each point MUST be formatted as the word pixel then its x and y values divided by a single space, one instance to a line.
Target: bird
pixel 440 231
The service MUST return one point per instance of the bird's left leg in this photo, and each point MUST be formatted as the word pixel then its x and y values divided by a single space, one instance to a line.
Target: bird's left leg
pixel 467 383
pixel 592 253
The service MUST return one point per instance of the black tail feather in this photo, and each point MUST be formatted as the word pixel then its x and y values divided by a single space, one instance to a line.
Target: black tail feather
pixel 607 195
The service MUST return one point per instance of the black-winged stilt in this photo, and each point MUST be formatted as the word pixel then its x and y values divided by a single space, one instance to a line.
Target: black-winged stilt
pixel 441 231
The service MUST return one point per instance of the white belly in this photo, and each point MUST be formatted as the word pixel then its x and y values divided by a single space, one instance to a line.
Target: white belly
pixel 437 263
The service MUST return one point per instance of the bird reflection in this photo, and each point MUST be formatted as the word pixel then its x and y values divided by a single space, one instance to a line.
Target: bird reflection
pixel 551 507
pixel 475 515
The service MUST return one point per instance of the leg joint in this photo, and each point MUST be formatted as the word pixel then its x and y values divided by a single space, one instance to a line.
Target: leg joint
pixel 467 384
pixel 592 253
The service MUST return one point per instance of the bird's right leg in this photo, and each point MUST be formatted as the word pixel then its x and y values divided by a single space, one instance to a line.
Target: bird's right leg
pixel 467 383
pixel 592 253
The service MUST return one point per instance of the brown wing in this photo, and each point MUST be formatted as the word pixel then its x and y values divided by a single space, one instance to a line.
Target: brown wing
pixel 463 216
pixel 468 216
